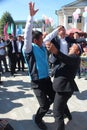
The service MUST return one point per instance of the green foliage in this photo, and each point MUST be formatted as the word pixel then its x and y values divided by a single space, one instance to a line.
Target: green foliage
pixel 6 18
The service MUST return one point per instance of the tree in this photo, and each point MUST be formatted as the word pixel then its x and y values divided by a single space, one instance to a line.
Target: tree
pixel 6 18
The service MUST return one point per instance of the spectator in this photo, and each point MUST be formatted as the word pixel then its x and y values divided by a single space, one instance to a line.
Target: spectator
pixel 20 58
pixel 12 53
pixel 76 35
pixel 3 55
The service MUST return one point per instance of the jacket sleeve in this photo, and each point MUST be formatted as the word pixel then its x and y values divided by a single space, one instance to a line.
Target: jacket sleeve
pixel 28 35
pixel 68 59
pixel 79 40
pixel 72 40
pixel 50 36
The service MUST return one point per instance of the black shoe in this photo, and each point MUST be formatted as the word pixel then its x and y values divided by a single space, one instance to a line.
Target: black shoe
pixel 40 124
pixel 68 116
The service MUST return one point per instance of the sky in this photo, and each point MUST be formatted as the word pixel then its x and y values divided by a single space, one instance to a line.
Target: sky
pixel 19 8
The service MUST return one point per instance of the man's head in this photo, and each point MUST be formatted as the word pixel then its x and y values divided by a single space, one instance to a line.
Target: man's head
pixel 76 35
pixel 61 31
pixel 37 38
pixel 10 36
pixel 19 38
pixel 75 49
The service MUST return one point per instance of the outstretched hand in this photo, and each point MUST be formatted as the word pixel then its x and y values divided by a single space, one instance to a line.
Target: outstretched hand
pixel 32 10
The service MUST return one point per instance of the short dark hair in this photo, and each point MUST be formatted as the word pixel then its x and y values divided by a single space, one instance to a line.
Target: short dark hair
pixel 36 34
pixel 77 33
pixel 61 26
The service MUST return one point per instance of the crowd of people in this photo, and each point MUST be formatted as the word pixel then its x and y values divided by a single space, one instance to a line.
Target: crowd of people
pixel 11 56
pixel 65 55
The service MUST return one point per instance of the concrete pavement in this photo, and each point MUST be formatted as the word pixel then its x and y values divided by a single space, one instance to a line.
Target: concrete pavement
pixel 18 104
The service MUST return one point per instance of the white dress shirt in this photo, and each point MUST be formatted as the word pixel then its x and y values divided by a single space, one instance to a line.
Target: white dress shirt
pixel 63 46
pixel 13 50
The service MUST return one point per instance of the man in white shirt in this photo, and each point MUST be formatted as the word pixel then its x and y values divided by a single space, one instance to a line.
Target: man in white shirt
pixel 3 55
pixel 20 58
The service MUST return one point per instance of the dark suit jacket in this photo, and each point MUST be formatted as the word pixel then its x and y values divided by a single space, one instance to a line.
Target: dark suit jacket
pixel 65 73
pixel 9 47
pixel 70 41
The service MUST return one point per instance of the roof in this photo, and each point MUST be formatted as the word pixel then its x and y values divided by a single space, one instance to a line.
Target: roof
pixel 76 3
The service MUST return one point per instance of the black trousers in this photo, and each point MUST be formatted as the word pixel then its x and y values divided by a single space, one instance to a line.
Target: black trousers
pixel 20 61
pixel 12 62
pixel 60 108
pixel 45 96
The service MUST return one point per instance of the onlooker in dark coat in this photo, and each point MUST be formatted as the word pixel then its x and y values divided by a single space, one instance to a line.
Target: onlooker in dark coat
pixel 12 53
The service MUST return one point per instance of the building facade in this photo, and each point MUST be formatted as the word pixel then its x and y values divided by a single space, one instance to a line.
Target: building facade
pixel 19 27
pixel 66 15
pixel 37 25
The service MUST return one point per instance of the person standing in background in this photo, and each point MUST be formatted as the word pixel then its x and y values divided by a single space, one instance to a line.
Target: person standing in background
pixel 20 58
pixel 76 35
pixel 3 56
pixel 12 53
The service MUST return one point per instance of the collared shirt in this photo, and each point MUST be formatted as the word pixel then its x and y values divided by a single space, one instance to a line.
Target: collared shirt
pixel 13 51
pixel 63 46
pixel 19 46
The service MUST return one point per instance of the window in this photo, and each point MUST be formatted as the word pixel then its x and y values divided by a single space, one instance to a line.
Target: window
pixel 69 19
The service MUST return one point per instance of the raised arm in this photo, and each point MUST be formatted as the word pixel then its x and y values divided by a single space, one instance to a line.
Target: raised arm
pixel 28 29
pixel 51 35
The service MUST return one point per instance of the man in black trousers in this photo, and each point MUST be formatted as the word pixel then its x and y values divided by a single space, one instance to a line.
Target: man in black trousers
pixel 12 53
pixel 63 83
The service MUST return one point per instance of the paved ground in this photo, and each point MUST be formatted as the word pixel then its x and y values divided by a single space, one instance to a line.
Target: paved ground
pixel 18 104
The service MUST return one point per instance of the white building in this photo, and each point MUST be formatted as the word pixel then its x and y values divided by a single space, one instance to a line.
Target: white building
pixel 65 15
